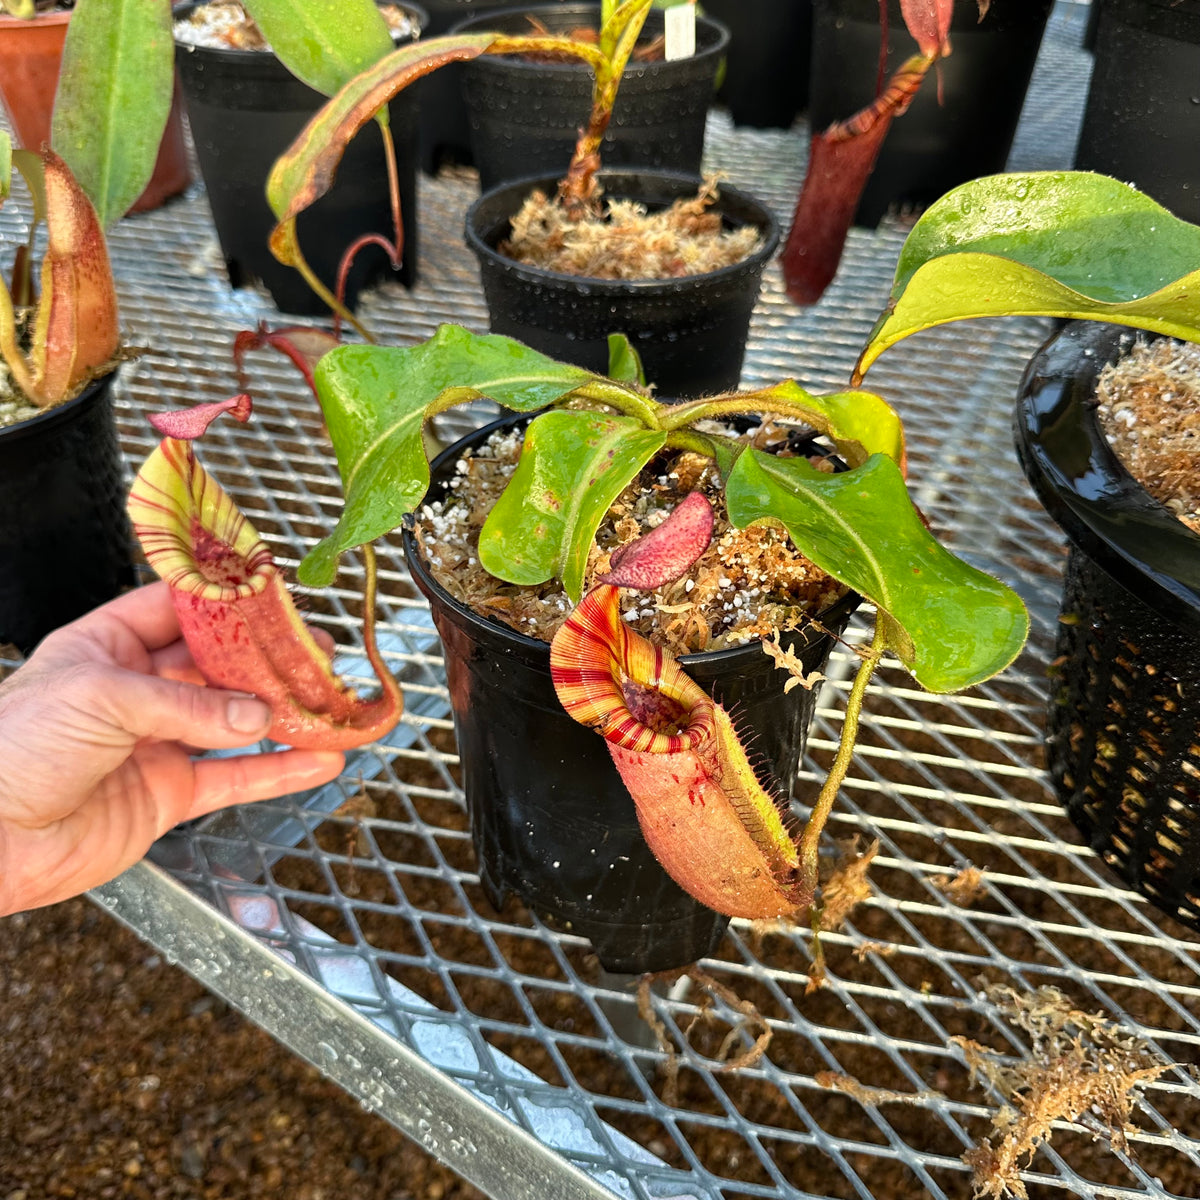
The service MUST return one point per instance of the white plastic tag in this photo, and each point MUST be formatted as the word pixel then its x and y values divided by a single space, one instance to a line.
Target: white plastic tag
pixel 680 31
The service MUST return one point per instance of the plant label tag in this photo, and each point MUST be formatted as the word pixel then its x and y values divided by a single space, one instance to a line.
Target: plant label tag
pixel 680 31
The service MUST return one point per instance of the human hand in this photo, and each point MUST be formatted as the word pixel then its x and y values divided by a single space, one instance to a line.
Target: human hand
pixel 97 732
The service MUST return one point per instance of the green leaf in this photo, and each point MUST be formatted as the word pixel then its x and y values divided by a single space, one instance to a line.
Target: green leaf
pixel 32 171
pixel 114 95
pixel 574 465
pixel 5 164
pixel 325 43
pixel 376 400
pixel 952 625
pixel 305 171
pixel 1050 243
pixel 859 423
pixel 624 362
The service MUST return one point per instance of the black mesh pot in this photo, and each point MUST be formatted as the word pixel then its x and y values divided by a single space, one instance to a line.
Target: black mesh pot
pixel 766 69
pixel 1141 122
pixel 244 109
pixel 1123 736
pixel 64 537
pixel 525 116
pixel 934 146
pixel 551 820
pixel 691 332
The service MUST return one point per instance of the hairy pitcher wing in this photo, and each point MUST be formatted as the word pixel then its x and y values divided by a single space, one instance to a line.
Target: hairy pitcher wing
pixel 701 807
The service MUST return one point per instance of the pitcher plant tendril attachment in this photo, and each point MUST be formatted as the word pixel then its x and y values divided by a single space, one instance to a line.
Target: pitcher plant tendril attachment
pixel 234 610
pixel 716 829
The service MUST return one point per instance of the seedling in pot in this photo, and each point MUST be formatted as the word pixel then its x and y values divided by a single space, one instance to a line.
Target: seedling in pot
pixel 305 173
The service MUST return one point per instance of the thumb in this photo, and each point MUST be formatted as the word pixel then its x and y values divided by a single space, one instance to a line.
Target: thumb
pixel 149 706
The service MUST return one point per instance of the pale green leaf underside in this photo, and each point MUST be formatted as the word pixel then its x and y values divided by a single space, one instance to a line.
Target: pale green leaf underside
pixel 958 625
pixel 376 400
pixel 573 466
pixel 1048 243
pixel 113 98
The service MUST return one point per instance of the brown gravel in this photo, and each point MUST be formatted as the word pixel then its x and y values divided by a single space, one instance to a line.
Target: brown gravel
pixel 122 1076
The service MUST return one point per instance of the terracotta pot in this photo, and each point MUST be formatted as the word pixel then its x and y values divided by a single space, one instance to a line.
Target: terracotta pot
pixel 30 57
pixel 1123 728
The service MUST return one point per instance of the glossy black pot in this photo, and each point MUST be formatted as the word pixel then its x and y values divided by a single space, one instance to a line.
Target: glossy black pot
pixel 551 820
pixel 1123 729
pixel 934 146
pixel 690 332
pixel 1141 122
pixel 525 116
pixel 767 67
pixel 445 135
pixel 65 543
pixel 244 109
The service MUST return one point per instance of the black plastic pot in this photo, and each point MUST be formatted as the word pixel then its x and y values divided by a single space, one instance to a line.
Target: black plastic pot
pixel 65 543
pixel 551 820
pixel 445 135
pixel 767 67
pixel 1123 731
pixel 525 116
pixel 933 147
pixel 691 332
pixel 245 109
pixel 1142 118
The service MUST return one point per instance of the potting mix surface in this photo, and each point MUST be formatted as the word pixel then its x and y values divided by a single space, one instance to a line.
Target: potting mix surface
pixel 995 1013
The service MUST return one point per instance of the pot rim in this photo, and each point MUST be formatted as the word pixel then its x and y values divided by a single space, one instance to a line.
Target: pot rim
pixel 768 228
pixel 1103 510
pixel 60 412
pixel 234 53
pixel 44 18
pixel 535 648
pixel 479 21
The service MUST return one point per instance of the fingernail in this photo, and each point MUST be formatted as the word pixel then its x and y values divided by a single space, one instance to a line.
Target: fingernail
pixel 247 715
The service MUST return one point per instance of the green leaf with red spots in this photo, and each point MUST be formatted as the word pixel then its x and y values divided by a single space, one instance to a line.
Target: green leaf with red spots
pixel 574 465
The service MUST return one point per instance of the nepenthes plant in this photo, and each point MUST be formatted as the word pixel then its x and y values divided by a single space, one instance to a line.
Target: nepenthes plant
pixel 354 62
pixel 1059 243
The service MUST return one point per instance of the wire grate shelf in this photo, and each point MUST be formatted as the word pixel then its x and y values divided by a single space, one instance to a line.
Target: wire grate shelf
pixel 350 921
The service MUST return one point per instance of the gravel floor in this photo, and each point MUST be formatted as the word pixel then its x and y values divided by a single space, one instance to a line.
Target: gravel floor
pixel 121 1076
